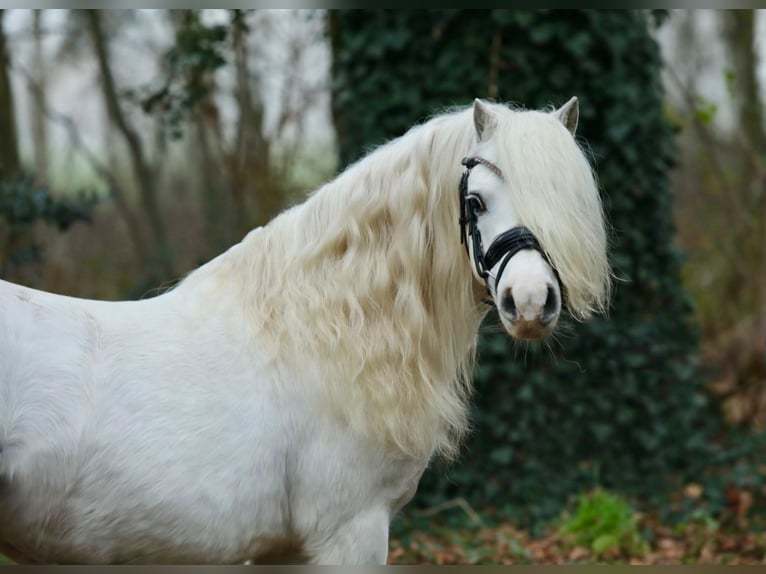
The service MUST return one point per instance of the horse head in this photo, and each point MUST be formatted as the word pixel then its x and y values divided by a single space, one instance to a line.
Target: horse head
pixel 523 244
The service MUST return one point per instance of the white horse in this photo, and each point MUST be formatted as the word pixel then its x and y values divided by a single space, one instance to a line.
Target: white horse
pixel 281 403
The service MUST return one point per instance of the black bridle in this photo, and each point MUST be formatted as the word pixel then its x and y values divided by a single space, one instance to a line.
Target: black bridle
pixel 505 245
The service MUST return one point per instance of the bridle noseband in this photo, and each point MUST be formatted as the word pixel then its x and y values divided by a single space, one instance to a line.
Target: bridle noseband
pixel 505 245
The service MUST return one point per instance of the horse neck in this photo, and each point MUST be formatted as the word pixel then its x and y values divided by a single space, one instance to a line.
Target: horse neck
pixel 386 232
pixel 367 281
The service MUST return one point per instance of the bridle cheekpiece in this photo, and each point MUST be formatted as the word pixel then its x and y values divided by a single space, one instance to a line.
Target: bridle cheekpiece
pixel 505 245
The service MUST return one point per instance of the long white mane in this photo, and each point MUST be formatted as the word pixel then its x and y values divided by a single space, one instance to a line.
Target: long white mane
pixel 365 289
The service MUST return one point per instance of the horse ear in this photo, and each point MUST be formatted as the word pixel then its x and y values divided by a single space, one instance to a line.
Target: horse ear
pixel 568 114
pixel 483 120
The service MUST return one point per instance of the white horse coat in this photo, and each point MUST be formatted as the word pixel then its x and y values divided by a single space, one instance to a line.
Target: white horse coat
pixel 281 403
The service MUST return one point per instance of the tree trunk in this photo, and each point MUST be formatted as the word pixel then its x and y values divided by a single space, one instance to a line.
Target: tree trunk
pixel 208 143
pixel 210 170
pixel 39 98
pixel 144 175
pixel 739 35
pixel 255 200
pixel 10 164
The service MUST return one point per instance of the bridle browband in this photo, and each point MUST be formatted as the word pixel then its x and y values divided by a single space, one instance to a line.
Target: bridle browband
pixel 505 245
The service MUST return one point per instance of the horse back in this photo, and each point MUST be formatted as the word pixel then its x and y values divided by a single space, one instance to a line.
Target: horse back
pixel 50 359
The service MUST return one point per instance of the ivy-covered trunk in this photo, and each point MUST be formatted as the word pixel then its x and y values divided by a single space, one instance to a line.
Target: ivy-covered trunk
pixel 618 400
pixel 9 151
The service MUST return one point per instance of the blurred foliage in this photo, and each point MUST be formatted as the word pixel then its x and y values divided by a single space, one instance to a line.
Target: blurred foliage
pixel 616 401
pixel 720 206
pixel 200 49
pixel 25 203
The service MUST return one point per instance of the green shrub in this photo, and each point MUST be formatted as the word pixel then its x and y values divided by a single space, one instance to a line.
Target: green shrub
pixel 604 523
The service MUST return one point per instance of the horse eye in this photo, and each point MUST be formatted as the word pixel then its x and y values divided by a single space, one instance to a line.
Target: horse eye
pixel 478 201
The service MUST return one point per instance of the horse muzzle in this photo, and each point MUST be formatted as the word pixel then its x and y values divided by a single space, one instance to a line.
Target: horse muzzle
pixel 530 310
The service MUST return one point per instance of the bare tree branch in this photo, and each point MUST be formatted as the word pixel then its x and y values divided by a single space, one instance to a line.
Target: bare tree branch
pixel 144 173
pixel 98 166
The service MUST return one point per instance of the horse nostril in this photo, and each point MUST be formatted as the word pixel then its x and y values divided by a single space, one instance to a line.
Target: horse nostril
pixel 508 304
pixel 551 307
